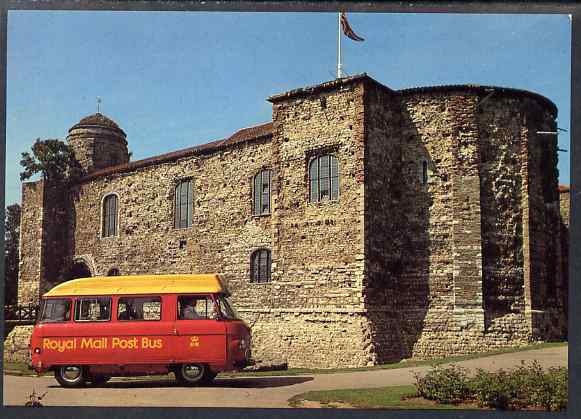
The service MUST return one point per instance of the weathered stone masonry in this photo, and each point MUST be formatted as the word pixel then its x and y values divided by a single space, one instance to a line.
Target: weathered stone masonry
pixel 445 238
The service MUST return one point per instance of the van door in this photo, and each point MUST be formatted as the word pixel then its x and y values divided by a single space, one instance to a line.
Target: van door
pixel 200 335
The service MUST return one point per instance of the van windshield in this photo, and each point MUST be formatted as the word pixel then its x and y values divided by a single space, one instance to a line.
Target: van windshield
pixel 55 310
pixel 226 309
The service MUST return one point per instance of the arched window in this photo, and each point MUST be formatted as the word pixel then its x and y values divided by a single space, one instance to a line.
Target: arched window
pixel 260 263
pixel 262 188
pixel 110 216
pixel 113 272
pixel 324 178
pixel 183 204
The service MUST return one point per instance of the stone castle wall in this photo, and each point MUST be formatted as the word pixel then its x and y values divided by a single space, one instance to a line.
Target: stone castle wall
pixel 462 252
pixel 317 250
pixel 43 240
pixel 547 293
pixel 318 247
pixel 16 345
pixel 565 208
pixel 565 205
pixel 436 246
pixel 30 267
pixel 383 229
pixel 502 161
pixel 440 289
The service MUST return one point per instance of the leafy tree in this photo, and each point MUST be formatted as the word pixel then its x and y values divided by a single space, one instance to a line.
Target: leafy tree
pixel 54 159
pixel 11 237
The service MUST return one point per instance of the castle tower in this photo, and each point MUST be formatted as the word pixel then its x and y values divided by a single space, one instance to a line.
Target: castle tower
pixel 98 142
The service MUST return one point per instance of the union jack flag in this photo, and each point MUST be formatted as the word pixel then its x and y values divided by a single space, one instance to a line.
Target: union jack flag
pixel 347 29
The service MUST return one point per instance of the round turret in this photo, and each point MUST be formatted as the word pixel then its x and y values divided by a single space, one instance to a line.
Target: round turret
pixel 98 142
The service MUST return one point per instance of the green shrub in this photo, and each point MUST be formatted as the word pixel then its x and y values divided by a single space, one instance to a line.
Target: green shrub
pixel 540 388
pixel 526 386
pixel 559 378
pixel 496 390
pixel 445 385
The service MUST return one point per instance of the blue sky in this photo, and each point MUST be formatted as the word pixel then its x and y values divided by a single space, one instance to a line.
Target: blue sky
pixel 173 79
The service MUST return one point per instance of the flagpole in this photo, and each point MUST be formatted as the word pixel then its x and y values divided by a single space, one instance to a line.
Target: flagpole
pixel 339 72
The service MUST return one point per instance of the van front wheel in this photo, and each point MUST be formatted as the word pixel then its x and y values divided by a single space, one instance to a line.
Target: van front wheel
pixel 191 374
pixel 70 376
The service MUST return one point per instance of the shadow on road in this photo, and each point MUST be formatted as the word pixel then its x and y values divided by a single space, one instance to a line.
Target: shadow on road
pixel 246 382
pixel 259 382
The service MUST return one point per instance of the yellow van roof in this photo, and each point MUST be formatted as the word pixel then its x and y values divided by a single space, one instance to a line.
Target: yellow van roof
pixel 139 284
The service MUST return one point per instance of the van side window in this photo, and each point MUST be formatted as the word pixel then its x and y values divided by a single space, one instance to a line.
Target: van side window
pixel 93 309
pixel 139 308
pixel 196 307
pixel 54 310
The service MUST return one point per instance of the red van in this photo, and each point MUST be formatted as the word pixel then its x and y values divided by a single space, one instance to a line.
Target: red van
pixel 91 329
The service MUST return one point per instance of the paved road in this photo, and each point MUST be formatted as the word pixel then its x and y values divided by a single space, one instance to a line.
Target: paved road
pixel 242 392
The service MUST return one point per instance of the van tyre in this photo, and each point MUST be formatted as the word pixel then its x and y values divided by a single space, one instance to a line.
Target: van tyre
pixel 70 376
pixel 191 374
pixel 97 380
pixel 209 377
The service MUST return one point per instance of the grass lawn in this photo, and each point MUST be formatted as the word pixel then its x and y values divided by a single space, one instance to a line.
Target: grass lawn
pixel 395 397
pixel 12 368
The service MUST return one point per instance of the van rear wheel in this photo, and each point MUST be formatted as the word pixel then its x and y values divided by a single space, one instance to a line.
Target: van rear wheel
pixel 70 376
pixel 191 374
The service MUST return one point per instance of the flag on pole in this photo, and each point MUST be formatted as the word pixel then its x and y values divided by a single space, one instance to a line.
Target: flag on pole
pixel 347 29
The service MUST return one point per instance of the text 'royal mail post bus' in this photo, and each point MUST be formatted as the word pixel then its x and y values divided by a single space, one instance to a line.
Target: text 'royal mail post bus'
pixel 93 328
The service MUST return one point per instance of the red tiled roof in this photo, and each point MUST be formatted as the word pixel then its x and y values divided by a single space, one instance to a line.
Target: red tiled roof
pixel 240 136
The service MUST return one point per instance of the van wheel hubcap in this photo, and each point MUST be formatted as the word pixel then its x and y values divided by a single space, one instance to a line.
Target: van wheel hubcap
pixel 71 374
pixel 192 371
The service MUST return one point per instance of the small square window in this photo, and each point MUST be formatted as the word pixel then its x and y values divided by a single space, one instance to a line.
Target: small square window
pixel 139 308
pixel 93 309
pixel 196 307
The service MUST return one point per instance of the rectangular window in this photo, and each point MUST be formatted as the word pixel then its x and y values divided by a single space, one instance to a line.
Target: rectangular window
pixel 55 310
pixel 183 204
pixel 110 216
pixel 260 266
pixel 266 191
pixel 196 307
pixel 261 192
pixel 334 178
pixel 113 217
pixel 93 309
pixel 264 267
pixel 324 178
pixel 314 177
pixel 257 194
pixel 139 308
